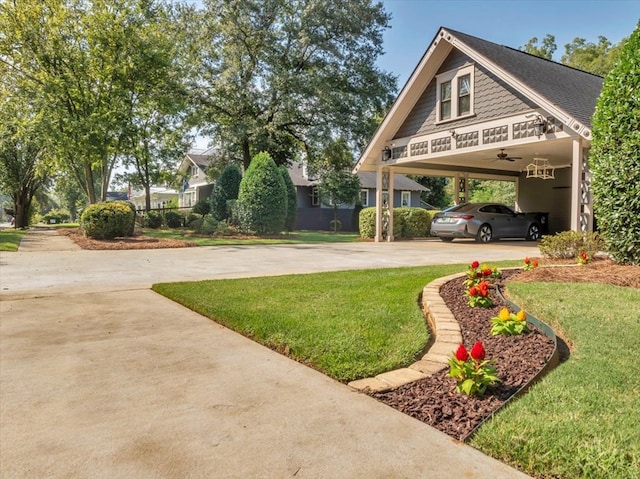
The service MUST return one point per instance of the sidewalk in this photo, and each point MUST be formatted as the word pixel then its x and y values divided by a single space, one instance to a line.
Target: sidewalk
pixel 127 384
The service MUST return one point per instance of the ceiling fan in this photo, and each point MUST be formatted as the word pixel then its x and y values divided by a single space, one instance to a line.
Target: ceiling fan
pixel 503 156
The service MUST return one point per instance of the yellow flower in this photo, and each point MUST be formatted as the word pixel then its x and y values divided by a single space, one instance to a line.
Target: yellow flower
pixel 504 314
pixel 483 267
pixel 521 316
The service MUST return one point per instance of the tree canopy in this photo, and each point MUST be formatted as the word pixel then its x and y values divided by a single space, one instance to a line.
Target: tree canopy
pixel 287 76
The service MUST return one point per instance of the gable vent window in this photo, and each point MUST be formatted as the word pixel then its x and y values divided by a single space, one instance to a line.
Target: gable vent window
pixel 455 94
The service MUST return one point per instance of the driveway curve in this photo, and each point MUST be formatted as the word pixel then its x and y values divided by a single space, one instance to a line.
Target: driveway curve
pixel 102 378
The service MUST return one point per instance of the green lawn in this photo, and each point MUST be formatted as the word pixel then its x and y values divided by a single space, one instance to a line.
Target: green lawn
pixel 583 419
pixel 294 238
pixel 10 239
pixel 349 325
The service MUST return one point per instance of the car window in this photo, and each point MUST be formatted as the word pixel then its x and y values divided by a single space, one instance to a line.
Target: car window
pixel 504 210
pixel 489 209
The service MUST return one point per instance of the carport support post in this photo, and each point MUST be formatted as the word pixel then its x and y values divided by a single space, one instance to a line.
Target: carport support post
pixel 461 188
pixel 577 202
pixel 378 237
pixel 390 192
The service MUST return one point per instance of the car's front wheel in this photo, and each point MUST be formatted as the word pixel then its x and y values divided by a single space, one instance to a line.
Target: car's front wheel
pixel 485 234
pixel 533 233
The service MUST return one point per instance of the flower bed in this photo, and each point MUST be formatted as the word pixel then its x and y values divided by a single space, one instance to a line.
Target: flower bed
pixel 518 359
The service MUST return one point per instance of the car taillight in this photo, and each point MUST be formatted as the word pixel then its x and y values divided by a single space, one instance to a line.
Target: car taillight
pixel 463 217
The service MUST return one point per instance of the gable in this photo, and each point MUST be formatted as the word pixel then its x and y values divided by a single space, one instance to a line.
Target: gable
pixel 493 99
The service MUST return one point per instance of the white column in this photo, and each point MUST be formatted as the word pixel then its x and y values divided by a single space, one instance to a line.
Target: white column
pixel 576 184
pixel 391 195
pixel 378 236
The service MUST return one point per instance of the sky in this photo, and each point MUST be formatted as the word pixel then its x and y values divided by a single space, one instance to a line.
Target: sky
pixel 511 23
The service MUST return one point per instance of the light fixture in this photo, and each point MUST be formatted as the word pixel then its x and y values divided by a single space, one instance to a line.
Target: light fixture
pixel 540 168
pixel 539 126
pixel 386 154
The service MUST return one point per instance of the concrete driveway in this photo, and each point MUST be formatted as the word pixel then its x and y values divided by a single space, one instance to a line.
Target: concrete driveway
pixel 102 378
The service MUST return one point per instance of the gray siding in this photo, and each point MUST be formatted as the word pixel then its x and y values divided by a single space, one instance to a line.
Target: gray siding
pixel 492 99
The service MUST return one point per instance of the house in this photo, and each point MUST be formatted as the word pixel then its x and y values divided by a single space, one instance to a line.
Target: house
pixel 160 196
pixel 476 109
pixel 312 214
pixel 196 186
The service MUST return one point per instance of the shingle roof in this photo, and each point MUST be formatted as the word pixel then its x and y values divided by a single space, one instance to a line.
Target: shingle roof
pixel 201 160
pixel 367 180
pixel 574 91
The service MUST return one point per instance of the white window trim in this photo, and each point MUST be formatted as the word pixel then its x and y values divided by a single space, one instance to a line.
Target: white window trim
pixel 453 76
pixel 365 203
pixel 406 194
pixel 315 196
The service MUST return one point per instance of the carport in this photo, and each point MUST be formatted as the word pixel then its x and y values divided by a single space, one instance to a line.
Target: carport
pixel 475 109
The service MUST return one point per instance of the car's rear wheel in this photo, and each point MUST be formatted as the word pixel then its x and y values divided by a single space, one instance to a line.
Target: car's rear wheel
pixel 446 240
pixel 533 233
pixel 485 234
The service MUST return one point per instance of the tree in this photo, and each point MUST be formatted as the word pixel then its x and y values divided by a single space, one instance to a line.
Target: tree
pixel 436 195
pixel 225 189
pixel 69 195
pixel 591 57
pixel 292 199
pixel 338 188
pixel 24 165
pixel 285 76
pixel 546 50
pixel 615 155
pixel 87 61
pixel 262 198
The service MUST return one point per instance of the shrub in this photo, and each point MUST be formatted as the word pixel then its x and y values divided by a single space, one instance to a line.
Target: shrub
pixel 173 219
pixel 107 220
pixel 262 199
pixel 56 216
pixel 153 219
pixel 132 226
pixel 208 226
pixel 191 219
pixel 227 188
pixel 407 222
pixel 292 200
pixel 569 244
pixel 615 157
pixel 202 207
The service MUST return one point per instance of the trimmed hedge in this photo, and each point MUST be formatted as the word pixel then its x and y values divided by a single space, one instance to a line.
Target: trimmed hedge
pixel 407 222
pixel 173 219
pixel 153 219
pixel 107 220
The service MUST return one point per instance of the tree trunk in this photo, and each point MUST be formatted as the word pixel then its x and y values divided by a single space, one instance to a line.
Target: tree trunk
pixel 147 197
pixel 246 154
pixel 21 203
pixel 91 190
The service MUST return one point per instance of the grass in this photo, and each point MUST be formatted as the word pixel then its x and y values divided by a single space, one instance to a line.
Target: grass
pixel 349 325
pixel 294 238
pixel 583 419
pixel 10 239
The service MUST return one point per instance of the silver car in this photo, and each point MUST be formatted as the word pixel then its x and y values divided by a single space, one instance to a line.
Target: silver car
pixel 486 222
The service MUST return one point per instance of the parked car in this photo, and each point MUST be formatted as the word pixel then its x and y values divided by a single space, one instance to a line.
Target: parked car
pixel 485 222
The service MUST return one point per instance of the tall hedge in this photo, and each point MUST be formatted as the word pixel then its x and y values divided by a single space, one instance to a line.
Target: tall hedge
pixel 407 222
pixel 615 156
pixel 262 198
pixel 292 200
pixel 226 189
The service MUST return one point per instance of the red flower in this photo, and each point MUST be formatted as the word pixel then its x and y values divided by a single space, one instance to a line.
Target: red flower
pixel 483 285
pixel 583 255
pixel 475 264
pixel 527 261
pixel 477 351
pixel 535 263
pixel 473 291
pixel 487 272
pixel 461 353
pixel 484 293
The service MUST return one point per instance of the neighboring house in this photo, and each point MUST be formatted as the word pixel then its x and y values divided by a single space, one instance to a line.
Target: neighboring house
pixel 160 197
pixel 196 185
pixel 475 109
pixel 117 196
pixel 313 215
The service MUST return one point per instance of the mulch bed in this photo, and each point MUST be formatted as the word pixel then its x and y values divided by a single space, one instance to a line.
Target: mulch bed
pixel 518 359
pixel 130 242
